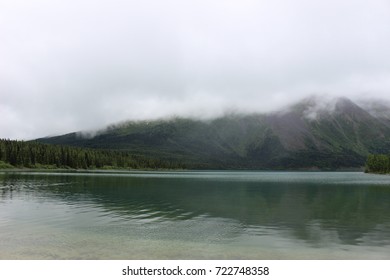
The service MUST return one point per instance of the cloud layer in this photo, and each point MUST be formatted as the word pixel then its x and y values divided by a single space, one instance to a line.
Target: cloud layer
pixel 75 65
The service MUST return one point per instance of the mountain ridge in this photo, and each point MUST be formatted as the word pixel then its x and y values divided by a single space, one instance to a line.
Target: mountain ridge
pixel 312 133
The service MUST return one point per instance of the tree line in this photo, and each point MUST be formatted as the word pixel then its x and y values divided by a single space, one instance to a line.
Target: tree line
pixel 378 163
pixel 14 153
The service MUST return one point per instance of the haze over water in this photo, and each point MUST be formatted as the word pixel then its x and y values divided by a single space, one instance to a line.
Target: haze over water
pixel 194 215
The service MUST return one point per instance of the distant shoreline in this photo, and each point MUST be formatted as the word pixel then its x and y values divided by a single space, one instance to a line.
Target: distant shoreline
pixel 70 170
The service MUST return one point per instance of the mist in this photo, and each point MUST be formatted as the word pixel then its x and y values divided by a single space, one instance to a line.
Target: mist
pixel 82 65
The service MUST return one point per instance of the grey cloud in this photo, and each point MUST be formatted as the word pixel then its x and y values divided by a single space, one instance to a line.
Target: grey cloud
pixel 80 65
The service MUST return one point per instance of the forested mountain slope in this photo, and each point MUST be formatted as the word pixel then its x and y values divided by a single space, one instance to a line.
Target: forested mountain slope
pixel 312 133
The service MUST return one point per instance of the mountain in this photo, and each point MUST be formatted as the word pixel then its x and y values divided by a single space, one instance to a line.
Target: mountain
pixel 313 133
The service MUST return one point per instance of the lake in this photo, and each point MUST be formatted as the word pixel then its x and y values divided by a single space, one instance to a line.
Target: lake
pixel 194 215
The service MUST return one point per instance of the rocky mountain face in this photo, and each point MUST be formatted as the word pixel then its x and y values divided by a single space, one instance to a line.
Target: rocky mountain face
pixel 313 133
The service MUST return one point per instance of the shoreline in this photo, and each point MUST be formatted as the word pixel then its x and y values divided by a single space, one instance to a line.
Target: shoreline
pixel 69 170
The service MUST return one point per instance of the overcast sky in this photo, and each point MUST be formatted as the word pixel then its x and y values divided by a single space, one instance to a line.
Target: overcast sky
pixel 70 65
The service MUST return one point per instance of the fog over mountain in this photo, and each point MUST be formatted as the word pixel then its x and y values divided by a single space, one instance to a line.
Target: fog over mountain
pixel 82 65
pixel 309 134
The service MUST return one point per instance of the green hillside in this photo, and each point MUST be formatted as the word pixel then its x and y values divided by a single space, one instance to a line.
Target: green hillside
pixel 306 135
pixel 20 154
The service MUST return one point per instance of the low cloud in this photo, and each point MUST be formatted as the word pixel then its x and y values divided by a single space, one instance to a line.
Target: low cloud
pixel 81 65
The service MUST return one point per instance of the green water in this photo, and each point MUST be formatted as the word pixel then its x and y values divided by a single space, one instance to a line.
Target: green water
pixel 194 215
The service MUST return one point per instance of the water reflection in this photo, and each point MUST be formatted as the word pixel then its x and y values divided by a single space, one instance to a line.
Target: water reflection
pixel 215 209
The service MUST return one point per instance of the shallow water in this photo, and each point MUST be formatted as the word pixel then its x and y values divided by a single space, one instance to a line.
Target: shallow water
pixel 195 215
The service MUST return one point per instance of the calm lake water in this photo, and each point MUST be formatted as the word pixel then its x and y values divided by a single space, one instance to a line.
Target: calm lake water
pixel 194 215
